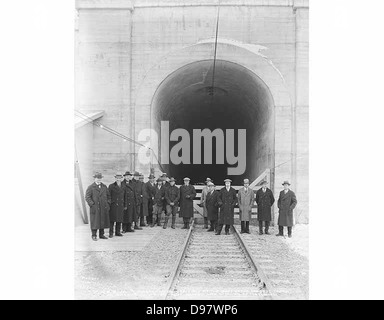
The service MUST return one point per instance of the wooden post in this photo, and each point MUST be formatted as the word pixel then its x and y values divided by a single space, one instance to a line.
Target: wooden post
pixel 82 195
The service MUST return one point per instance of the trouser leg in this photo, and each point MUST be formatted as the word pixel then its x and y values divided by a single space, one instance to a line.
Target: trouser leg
pixel 242 226
pixel 247 226
pixel 227 226
pixel 289 231
pixel 101 232
pixel 281 230
pixel 261 227
pixel 94 232
pixel 205 223
pixel 267 226
pixel 111 227
pixel 219 228
pixel 118 228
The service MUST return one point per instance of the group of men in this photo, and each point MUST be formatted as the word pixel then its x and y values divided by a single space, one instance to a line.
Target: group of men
pixel 125 204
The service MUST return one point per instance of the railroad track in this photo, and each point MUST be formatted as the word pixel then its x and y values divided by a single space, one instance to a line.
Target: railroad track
pixel 216 267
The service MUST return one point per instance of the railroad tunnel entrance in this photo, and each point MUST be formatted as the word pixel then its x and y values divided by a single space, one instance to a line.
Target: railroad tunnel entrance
pixel 237 99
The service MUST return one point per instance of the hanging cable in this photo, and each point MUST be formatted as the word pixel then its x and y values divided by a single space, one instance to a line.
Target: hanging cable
pixel 215 54
pixel 118 134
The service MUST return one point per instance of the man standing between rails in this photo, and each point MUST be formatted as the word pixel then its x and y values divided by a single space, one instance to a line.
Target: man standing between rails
pixel 203 202
pixel 227 203
pixel 138 187
pixel 158 203
pixel 166 185
pixel 172 196
pixel 246 199
pixel 149 196
pixel 212 205
pixel 187 194
pixel 286 203
pixel 98 199
pixel 116 212
pixel 265 201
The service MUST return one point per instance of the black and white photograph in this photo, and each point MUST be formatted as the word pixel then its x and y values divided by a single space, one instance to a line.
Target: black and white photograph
pixel 194 153
pixel 191 149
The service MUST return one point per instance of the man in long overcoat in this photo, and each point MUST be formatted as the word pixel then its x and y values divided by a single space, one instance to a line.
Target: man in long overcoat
pixel 138 187
pixel 286 203
pixel 158 203
pixel 98 199
pixel 203 202
pixel 187 194
pixel 172 196
pixel 116 212
pixel 212 205
pixel 227 203
pixel 246 198
pixel 129 203
pixel 166 185
pixel 149 196
pixel 265 201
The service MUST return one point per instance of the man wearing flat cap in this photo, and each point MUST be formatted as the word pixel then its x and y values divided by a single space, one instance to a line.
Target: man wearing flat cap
pixel 149 196
pixel 203 202
pixel 187 194
pixel 98 199
pixel 129 203
pixel 286 203
pixel 212 205
pixel 246 198
pixel 172 196
pixel 116 212
pixel 265 201
pixel 227 202
pixel 138 187
pixel 158 203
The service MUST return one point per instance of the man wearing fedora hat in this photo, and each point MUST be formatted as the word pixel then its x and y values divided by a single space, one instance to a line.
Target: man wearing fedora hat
pixel 166 185
pixel 203 202
pixel 227 202
pixel 265 201
pixel 212 206
pixel 187 194
pixel 158 203
pixel 129 203
pixel 116 212
pixel 246 199
pixel 98 199
pixel 149 196
pixel 172 196
pixel 286 203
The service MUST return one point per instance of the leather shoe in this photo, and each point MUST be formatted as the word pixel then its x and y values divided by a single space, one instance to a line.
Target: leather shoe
pixel 138 228
pixel 289 236
pixel 110 235
pixel 118 235
pixel 94 238
pixel 227 233
pixel 279 235
pixel 103 237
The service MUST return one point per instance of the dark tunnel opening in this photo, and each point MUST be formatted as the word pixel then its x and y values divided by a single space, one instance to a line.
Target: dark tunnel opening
pixel 239 99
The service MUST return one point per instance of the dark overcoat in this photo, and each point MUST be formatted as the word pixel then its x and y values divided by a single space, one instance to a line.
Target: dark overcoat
pixel 116 212
pixel 159 196
pixel 149 194
pixel 265 201
pixel 212 205
pixel 187 194
pixel 227 203
pixel 138 187
pixel 286 203
pixel 172 194
pixel 98 199
pixel 130 204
